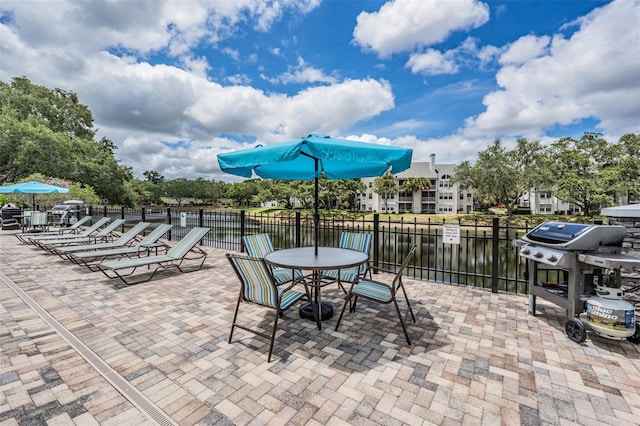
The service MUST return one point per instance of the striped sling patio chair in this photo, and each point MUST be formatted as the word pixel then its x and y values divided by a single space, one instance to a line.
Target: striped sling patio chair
pixel 354 241
pixel 258 286
pixel 380 292
pixel 259 245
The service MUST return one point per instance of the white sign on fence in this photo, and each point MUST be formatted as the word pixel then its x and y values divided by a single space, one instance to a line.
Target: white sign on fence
pixel 451 234
pixel 183 219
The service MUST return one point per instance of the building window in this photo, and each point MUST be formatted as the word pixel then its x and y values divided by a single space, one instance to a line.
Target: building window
pixel 444 181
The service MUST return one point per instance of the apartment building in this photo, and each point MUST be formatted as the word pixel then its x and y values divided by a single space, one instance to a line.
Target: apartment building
pixel 443 196
pixel 543 202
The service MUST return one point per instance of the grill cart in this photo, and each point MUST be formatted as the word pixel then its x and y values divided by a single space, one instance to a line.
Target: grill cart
pixel 577 267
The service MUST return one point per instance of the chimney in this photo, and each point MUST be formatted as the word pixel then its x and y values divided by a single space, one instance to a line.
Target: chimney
pixel 433 161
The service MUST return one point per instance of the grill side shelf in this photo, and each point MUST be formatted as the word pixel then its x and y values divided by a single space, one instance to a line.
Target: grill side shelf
pixel 612 261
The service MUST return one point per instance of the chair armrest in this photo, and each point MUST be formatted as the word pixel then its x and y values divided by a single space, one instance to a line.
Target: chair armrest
pixel 379 269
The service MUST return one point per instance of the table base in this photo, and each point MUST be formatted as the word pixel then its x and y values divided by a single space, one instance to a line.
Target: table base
pixel 306 311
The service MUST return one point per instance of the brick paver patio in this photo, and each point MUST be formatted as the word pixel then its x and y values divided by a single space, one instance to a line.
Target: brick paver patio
pixel 477 357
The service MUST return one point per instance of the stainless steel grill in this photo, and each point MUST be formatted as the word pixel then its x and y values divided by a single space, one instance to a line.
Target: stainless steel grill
pixel 582 256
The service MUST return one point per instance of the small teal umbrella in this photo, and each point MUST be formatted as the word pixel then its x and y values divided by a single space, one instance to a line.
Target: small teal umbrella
pixel 32 187
pixel 307 158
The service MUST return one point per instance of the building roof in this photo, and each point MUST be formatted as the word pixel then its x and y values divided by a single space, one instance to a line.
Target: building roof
pixel 630 210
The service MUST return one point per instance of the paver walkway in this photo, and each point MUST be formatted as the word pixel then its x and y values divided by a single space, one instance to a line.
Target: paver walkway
pixel 477 358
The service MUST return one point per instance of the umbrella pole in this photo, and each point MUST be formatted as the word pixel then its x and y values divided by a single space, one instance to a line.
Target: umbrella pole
pixel 316 215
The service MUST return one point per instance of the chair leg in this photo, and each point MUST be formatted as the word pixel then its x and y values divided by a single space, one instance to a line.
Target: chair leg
pixel 408 304
pixel 235 316
pixel 347 300
pixel 402 322
pixel 352 307
pixel 273 333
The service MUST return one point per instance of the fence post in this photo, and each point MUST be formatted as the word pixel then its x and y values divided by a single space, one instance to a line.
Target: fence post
pixel 169 222
pixel 376 239
pixel 495 240
pixel 298 231
pixel 143 215
pixel 242 229
pixel 201 218
pixel 104 211
pixel 122 217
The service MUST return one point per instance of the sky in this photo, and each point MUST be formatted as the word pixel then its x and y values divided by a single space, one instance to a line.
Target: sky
pixel 175 82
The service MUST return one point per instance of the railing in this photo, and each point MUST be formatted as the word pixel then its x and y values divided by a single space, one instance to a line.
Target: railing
pixel 484 258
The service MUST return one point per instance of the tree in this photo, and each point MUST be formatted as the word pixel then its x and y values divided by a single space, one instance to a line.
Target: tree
pixel 627 167
pixel 412 184
pixel 584 171
pixel 153 177
pixel 385 186
pixel 179 189
pixel 502 176
pixel 76 192
pixel 243 192
pixel 49 132
pixel 347 192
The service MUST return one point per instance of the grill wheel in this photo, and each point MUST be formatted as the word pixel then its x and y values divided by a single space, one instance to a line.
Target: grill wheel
pixel 575 330
pixel 636 336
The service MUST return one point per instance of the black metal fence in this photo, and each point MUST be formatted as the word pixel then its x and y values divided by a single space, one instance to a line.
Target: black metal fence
pixel 485 256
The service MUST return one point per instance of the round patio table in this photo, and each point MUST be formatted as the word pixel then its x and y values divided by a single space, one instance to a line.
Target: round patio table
pixel 305 259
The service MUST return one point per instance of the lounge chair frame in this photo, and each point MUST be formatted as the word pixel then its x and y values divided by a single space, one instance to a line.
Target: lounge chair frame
pixel 184 250
pixel 122 241
pixel 85 233
pixel 92 258
pixel 106 234
pixel 25 237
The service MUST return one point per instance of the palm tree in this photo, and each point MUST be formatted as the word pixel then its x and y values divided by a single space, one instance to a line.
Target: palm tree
pixel 413 184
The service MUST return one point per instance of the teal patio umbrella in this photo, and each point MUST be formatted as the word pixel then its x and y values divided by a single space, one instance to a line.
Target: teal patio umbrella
pixel 32 187
pixel 307 158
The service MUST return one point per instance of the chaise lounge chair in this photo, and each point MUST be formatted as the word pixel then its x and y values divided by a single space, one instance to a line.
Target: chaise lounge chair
pixel 85 233
pixel 106 234
pixel 73 229
pixel 124 240
pixel 91 258
pixel 172 259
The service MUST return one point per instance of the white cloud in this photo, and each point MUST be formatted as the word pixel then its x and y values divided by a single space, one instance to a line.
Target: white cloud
pixel 403 25
pixel 324 109
pixel 524 49
pixel 432 62
pixel 239 79
pixel 592 74
pixel 487 54
pixel 302 73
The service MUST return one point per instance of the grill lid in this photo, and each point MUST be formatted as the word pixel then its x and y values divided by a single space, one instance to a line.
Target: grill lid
pixel 575 236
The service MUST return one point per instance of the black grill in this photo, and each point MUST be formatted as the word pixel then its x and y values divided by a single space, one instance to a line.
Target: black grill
pixel 580 252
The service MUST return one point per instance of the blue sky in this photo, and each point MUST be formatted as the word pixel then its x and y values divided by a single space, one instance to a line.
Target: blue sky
pixel 174 83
